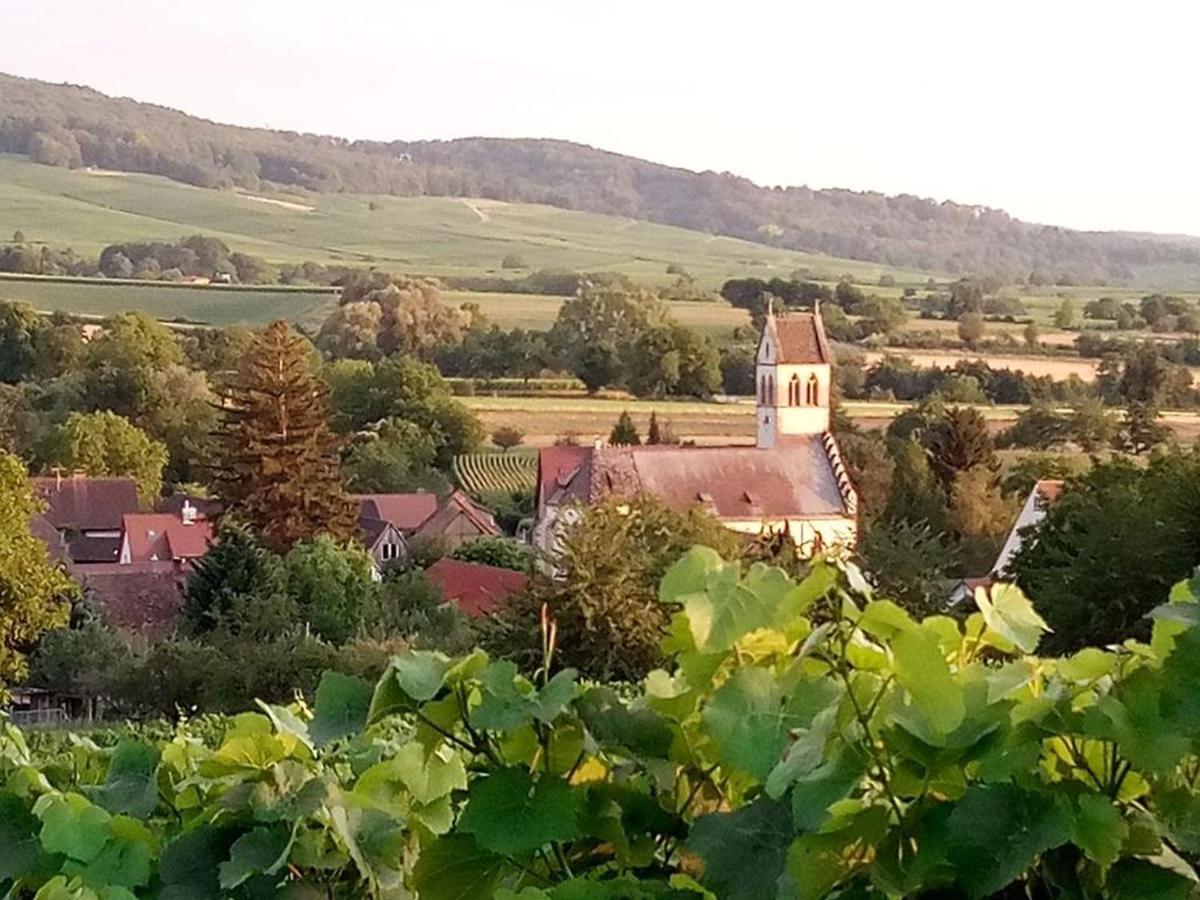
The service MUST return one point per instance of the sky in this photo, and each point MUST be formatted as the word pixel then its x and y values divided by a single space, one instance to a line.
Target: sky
pixel 1068 113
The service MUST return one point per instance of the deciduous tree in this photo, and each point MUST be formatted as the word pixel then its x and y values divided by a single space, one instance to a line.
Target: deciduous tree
pixel 33 590
pixel 105 444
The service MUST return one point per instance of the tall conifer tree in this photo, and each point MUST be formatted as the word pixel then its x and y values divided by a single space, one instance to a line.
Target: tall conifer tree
pixel 279 470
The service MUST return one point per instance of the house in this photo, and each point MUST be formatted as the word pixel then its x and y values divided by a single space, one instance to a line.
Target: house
pixel 144 598
pixel 478 590
pixel 1040 498
pixel 392 525
pixel 793 479
pixel 88 513
pixel 162 537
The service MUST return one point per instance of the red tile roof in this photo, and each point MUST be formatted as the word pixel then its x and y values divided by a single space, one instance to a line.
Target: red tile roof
pixel 557 467
pixel 83 503
pixel 146 598
pixel 800 338
pixel 153 537
pixel 795 479
pixel 407 512
pixel 476 589
pixel 458 504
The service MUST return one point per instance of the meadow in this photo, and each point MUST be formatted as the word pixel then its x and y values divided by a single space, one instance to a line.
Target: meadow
pixel 209 304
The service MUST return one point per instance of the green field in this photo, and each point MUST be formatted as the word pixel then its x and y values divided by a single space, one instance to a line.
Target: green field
pixel 180 303
pixel 424 235
pixel 538 312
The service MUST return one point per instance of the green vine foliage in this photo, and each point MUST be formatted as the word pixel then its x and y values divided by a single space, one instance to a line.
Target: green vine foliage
pixel 809 740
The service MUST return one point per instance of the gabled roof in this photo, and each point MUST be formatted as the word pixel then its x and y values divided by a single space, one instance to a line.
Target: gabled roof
pixel 557 468
pixel 160 537
pixel 372 531
pixel 799 339
pixel 83 503
pixel 407 512
pixel 43 529
pixel 796 479
pixel 1043 494
pixel 476 589
pixel 459 504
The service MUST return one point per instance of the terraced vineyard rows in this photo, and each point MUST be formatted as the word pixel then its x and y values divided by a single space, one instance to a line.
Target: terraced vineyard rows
pixel 485 473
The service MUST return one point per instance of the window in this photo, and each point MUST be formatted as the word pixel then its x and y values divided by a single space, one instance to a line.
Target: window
pixel 794 391
pixel 771 389
pixel 813 392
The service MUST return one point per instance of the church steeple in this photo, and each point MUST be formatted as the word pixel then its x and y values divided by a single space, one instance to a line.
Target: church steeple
pixel 793 374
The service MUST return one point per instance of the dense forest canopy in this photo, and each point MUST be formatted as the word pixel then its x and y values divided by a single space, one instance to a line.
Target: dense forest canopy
pixel 71 126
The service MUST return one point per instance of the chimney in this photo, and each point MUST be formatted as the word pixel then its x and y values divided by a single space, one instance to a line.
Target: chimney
pixel 188 513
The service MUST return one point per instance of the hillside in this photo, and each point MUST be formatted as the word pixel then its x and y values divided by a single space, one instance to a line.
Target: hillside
pixel 88 210
pixel 67 126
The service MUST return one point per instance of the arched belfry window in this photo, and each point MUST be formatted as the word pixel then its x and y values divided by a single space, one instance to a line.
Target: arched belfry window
pixel 794 391
pixel 771 395
pixel 762 389
pixel 812 393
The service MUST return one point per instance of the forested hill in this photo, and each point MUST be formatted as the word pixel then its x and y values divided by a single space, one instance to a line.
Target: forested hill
pixel 64 125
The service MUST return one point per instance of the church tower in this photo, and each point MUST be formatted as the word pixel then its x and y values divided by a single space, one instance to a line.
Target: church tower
pixel 793 374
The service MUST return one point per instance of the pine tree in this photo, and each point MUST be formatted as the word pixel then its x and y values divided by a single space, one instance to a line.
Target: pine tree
pixel 654 435
pixel 279 470
pixel 625 431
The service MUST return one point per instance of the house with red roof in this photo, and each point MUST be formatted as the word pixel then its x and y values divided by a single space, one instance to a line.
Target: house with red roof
pixel 477 589
pixel 793 479
pixel 87 513
pixel 163 537
pixel 393 525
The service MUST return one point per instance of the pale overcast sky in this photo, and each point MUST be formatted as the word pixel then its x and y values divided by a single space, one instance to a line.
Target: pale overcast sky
pixel 1073 113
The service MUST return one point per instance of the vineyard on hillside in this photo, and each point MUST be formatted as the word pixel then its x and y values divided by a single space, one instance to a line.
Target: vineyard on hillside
pixel 488 473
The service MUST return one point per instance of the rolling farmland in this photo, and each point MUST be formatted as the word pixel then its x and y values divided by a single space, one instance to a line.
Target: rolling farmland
pixel 88 210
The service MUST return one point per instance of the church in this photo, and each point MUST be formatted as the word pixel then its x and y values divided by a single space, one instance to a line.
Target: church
pixel 793 478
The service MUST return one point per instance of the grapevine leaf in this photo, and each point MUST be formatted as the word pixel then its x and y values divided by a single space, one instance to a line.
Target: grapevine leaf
pixel 263 851
pixel 190 864
pixel 342 705
pixel 555 696
pixel 1009 613
pixel 131 786
pixel 813 793
pixel 72 826
pixel 997 833
pixel 18 837
pixel 1179 811
pixel 805 753
pixel 1099 829
pixel 643 731
pixel 747 720
pixel 507 703
pixel 412 678
pixel 456 868
pixel 814 865
pixel 922 670
pixel 426 776
pixel 1139 879
pixel 125 861
pixel 744 851
pixel 689 575
pixel 508 812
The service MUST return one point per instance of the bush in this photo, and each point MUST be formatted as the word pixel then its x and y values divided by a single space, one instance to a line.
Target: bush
pixel 514 261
